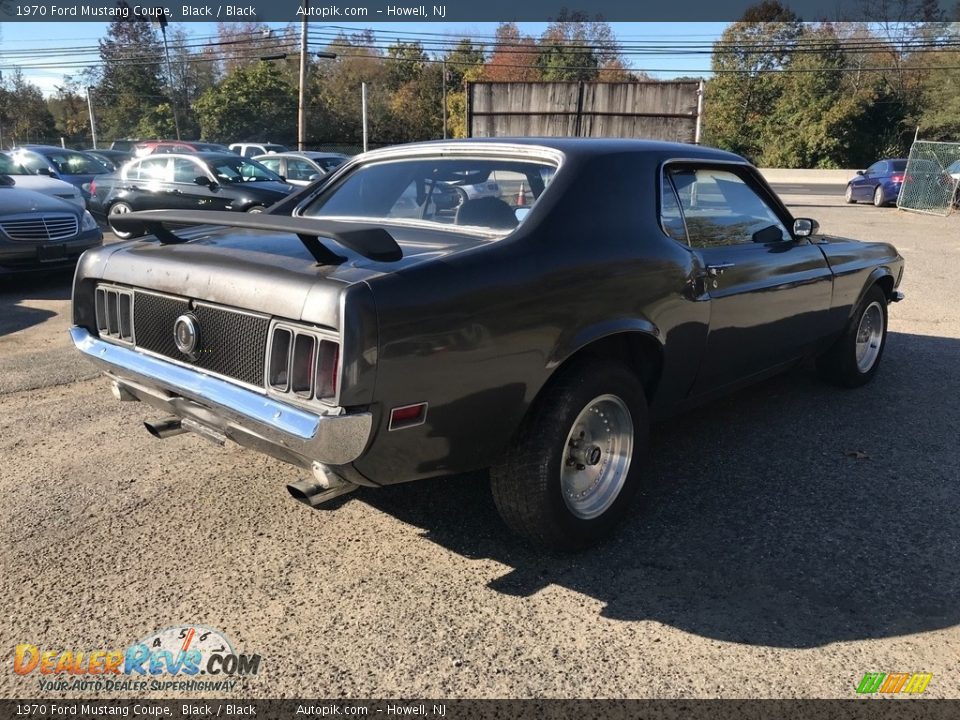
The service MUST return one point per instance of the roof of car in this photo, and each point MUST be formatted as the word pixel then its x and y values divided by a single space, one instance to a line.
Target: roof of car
pixel 584 146
pixel 204 155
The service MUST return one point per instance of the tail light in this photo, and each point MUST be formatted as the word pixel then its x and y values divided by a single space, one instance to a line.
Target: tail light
pixel 114 311
pixel 304 363
pixel 896 178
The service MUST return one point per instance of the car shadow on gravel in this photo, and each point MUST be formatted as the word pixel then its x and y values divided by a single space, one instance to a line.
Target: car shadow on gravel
pixel 792 514
pixel 14 290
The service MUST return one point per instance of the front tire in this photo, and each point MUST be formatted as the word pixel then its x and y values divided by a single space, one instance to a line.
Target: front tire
pixel 255 209
pixel 853 359
pixel 848 195
pixel 573 467
pixel 120 208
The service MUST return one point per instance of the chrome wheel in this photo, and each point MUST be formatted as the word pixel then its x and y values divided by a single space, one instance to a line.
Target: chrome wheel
pixel 878 196
pixel 848 196
pixel 869 337
pixel 597 457
pixel 119 209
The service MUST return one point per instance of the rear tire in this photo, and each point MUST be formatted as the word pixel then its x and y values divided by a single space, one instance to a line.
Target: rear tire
pixel 121 208
pixel 255 209
pixel 848 195
pixel 853 359
pixel 576 461
pixel 878 199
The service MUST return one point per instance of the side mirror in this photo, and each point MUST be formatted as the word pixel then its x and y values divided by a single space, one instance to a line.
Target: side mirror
pixel 314 177
pixel 203 181
pixel 44 171
pixel 805 227
pixel 859 172
pixel 283 178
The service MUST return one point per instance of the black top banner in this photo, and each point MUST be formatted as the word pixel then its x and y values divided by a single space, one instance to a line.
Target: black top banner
pixel 486 11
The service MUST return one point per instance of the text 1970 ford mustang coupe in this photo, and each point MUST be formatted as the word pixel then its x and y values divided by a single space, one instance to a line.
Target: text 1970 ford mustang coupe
pixel 363 331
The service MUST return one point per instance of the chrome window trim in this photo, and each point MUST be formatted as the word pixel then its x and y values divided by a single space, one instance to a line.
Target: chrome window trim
pixel 541 153
pixel 707 162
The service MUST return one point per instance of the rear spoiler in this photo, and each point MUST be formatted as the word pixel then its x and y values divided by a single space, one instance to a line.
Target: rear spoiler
pixel 369 240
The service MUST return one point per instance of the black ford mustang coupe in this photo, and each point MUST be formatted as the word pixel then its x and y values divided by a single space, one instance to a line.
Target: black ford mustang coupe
pixel 363 331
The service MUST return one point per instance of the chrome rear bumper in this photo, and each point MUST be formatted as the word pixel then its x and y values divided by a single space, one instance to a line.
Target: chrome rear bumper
pixel 249 418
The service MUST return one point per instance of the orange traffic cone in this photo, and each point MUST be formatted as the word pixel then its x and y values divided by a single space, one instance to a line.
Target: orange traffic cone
pixel 521 196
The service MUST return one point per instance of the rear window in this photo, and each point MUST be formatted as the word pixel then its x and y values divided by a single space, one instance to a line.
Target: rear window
pixel 491 195
pixel 898 165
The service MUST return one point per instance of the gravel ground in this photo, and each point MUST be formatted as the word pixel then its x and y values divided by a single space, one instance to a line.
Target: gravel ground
pixel 791 537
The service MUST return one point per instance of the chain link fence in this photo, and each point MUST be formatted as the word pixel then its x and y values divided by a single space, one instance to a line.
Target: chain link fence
pixel 932 178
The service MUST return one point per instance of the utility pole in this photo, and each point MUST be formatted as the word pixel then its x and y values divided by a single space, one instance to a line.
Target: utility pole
pixel 93 123
pixel 173 93
pixel 301 104
pixel 698 129
pixel 444 99
pixel 363 103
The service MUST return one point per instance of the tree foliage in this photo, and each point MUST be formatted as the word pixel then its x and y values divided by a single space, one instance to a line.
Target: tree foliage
pixel 130 87
pixel 251 103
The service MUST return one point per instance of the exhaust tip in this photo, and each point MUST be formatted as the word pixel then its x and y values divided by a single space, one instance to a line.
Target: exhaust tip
pixel 161 429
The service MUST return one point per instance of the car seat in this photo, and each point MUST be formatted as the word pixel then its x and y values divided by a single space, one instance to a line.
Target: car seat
pixel 486 212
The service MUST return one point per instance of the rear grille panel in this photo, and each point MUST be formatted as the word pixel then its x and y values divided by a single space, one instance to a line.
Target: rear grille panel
pixel 41 229
pixel 232 343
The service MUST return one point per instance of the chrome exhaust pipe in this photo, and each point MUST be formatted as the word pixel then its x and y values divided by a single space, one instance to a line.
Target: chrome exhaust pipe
pixel 323 486
pixel 165 428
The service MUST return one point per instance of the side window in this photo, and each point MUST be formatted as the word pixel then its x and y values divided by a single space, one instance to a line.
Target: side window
pixel 33 162
pixel 874 169
pixel 186 171
pixel 154 169
pixel 298 170
pixel 271 164
pixel 721 209
pixel 671 219
pixel 250 151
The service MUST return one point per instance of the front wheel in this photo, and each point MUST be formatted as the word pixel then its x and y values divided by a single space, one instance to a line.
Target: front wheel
pixel 255 209
pixel 848 195
pixel 854 358
pixel 573 467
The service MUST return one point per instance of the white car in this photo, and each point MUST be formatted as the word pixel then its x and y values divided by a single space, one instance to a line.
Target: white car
pixel 23 179
pixel 250 150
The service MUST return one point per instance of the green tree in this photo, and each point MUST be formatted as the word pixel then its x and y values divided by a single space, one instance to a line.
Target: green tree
pixel 574 48
pixel 130 84
pixel 251 103
pixel 24 115
pixel 69 109
pixel 746 85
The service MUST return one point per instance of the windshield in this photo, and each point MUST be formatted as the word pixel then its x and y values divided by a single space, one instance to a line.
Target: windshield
pixel 240 170
pixel 485 194
pixel 9 167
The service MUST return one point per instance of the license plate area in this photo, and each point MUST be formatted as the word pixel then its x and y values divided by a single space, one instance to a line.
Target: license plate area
pixel 51 253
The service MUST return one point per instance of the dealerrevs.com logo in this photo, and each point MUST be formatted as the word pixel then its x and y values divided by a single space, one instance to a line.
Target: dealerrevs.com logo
pixel 892 683
pixel 182 658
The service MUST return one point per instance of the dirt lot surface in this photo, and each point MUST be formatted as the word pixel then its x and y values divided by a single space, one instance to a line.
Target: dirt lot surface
pixel 791 537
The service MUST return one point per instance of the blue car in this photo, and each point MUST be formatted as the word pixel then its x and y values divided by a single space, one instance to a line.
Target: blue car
pixel 879 183
pixel 72 166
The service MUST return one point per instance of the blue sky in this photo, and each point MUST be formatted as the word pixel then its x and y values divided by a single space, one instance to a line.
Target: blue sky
pixel 49 36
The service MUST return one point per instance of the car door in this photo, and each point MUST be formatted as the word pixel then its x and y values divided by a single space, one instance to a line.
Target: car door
pixel 189 194
pixel 863 185
pixel 769 292
pixel 146 184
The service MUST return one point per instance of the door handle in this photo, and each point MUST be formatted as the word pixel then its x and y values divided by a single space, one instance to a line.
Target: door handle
pixel 717 269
